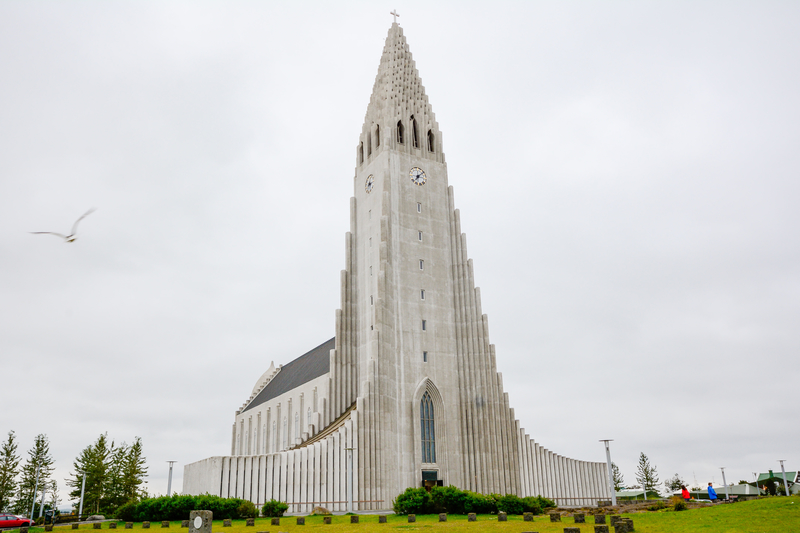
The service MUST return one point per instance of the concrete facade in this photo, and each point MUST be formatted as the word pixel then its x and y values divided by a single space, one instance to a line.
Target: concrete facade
pixel 412 384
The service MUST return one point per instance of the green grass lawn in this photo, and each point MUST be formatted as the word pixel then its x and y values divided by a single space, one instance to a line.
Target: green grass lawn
pixel 769 515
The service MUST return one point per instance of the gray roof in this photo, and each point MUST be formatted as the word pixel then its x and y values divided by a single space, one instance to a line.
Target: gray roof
pixel 308 366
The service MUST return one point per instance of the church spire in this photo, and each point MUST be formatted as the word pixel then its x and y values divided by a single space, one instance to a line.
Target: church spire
pixel 399 116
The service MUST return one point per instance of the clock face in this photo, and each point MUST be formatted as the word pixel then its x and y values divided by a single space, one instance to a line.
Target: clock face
pixel 370 183
pixel 418 176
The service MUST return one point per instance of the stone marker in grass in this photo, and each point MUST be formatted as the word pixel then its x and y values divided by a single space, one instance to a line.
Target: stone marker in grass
pixel 112 525
pixel 96 525
pixel 572 530
pixel 502 517
pixel 412 518
pixel 472 517
pixel 145 525
pixel 601 528
pixel 580 518
pixel 164 523
pixel 48 527
pixel 599 519
pixel 301 520
pixel 442 517
pixel 250 522
pixel 354 519
pixel 74 526
pixel 527 517
pixel 326 519
pixel 382 519
pixel 128 525
pixel 226 522
pixel 555 517
pixel 275 521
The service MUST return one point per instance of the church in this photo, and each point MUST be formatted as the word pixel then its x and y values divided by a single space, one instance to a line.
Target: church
pixel 407 393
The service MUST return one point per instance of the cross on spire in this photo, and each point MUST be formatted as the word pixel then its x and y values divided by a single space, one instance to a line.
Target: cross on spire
pixel 394 13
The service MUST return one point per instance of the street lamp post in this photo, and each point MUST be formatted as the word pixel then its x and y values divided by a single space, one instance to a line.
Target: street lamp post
pixel 169 480
pixel 610 473
pixel 83 486
pixel 35 490
pixel 785 485
pixel 727 496
pixel 349 480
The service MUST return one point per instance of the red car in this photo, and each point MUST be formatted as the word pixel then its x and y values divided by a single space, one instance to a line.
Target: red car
pixel 12 520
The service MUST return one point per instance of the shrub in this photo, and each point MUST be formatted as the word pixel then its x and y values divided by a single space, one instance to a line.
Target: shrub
pixel 413 501
pixel 660 504
pixel 510 504
pixel 126 512
pixel 536 504
pixel 448 499
pixel 479 503
pixel 247 509
pixel 678 503
pixel 274 508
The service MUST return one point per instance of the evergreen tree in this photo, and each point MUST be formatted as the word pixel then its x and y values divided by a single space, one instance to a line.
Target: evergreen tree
pixel 94 461
pixel 9 469
pixel 616 476
pixel 39 459
pixel 52 495
pixel 646 475
pixel 133 472
pixel 674 484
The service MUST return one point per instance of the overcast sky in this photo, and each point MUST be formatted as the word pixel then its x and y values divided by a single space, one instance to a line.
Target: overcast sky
pixel 627 175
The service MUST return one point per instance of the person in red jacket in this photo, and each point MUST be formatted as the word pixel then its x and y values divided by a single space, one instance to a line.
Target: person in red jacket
pixel 685 493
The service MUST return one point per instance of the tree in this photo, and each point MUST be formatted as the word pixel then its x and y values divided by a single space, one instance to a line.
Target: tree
pixel 39 459
pixel 674 484
pixel 616 476
pixel 133 472
pixel 52 495
pixel 114 475
pixel 646 474
pixel 94 462
pixel 9 469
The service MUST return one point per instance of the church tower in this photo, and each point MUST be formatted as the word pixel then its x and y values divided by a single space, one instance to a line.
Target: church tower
pixel 407 393
pixel 433 400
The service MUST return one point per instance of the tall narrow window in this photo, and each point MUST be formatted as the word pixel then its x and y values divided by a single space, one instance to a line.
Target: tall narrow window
pixel 419 234
pixel 427 430
pixel 377 135
pixel 370 300
pixel 414 136
pixel 400 131
pixel 424 357
pixel 419 207
pixel 422 294
pixel 421 264
pixel 431 143
pixel 369 144
pixel 424 325
pixel 361 152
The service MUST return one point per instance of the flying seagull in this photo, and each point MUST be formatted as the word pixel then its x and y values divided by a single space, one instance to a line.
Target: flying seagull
pixel 72 236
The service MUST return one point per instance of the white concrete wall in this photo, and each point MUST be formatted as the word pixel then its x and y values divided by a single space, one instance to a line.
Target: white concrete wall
pixel 261 440
pixel 303 478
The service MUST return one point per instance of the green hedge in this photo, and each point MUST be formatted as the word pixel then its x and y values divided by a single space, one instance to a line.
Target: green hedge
pixel 453 500
pixel 178 508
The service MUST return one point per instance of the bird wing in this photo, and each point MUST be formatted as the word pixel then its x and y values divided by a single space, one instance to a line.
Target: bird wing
pixel 49 233
pixel 75 226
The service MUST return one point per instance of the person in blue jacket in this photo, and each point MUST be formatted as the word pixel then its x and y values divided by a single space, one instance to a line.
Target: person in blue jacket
pixel 712 494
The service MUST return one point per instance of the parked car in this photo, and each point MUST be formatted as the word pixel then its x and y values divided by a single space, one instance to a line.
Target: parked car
pixel 12 520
